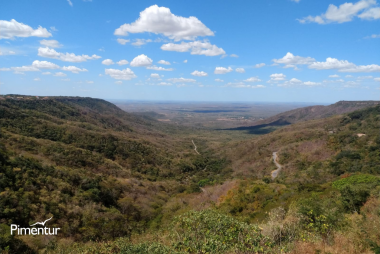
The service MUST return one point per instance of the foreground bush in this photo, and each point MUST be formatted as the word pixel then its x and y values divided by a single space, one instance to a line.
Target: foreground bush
pixel 211 232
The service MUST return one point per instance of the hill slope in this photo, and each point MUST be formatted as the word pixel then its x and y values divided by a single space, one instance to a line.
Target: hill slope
pixel 304 114
pixel 102 173
pixel 92 166
pixel 306 147
pixel 326 198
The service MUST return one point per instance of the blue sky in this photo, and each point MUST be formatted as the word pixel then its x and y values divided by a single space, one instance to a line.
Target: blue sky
pixel 272 50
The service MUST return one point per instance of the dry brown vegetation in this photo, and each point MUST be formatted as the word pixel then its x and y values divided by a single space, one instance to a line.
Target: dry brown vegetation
pixel 103 174
pixel 355 238
pixel 298 144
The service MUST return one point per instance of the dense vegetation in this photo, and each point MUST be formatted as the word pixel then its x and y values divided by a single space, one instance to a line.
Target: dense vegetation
pixel 93 167
pixel 119 183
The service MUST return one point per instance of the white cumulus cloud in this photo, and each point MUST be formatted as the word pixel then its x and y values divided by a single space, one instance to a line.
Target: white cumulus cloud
pixel 291 61
pixel 21 70
pixel 155 75
pixel 12 29
pixel 163 62
pixel 291 82
pixel 159 68
pixel 259 65
pixel 345 13
pixel 253 79
pixel 122 41
pixel 240 70
pixel 51 43
pixel 309 83
pixel 44 65
pixel 141 60
pixel 295 81
pixel 219 80
pixel 73 69
pixel 373 13
pixel 362 68
pixel 334 76
pixel 277 76
pixel 199 73
pixel 140 42
pixel 331 63
pixel 160 20
pixel 126 74
pixel 237 85
pixel 222 70
pixel 195 48
pixel 107 62
pixel 164 84
pixel 343 66
pixel 67 57
pixel 122 62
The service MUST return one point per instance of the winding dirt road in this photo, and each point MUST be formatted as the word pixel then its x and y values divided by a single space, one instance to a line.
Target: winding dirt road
pixel 279 166
pixel 195 147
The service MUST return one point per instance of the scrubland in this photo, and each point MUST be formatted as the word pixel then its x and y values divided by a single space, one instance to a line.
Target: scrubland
pixel 115 182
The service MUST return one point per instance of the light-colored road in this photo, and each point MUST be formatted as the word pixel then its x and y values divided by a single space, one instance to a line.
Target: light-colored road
pixel 195 147
pixel 279 166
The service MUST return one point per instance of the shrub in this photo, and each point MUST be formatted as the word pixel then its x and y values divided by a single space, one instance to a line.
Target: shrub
pixel 320 215
pixel 211 232
pixel 281 226
pixel 354 197
pixel 204 182
pixel 369 180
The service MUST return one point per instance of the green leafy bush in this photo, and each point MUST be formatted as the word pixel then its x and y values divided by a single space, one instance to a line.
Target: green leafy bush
pixel 354 197
pixel 321 215
pixel 355 180
pixel 211 232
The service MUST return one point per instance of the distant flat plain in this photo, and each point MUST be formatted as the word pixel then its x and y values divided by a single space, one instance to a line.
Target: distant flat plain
pixel 209 115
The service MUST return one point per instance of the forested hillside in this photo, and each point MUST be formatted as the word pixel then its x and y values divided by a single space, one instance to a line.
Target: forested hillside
pixel 119 183
pixel 349 143
pixel 315 112
pixel 99 171
pixel 312 154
